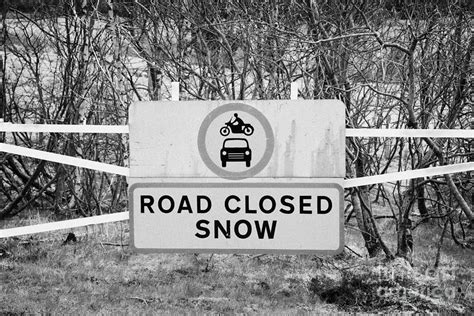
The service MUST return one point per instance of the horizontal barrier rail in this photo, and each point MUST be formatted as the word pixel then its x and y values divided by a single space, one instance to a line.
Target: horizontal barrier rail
pixel 124 129
pixel 392 132
pixel 409 174
pixel 67 160
pixel 348 183
pixel 67 224
pixel 64 128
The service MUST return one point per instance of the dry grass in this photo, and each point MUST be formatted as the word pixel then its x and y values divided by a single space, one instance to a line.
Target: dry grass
pixel 41 275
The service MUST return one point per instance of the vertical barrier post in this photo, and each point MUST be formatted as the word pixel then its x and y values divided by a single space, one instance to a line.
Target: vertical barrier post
pixel 294 91
pixel 175 91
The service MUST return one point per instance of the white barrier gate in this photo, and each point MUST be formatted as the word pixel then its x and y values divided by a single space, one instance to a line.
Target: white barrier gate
pixel 124 129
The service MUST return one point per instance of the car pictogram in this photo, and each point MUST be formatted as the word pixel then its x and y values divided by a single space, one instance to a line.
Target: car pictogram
pixel 235 149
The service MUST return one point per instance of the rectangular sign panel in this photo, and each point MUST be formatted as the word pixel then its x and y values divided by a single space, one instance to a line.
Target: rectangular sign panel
pixel 284 139
pixel 237 217
pixel 237 176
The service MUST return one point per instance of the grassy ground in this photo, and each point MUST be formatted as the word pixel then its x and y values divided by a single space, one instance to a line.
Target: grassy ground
pixel 96 274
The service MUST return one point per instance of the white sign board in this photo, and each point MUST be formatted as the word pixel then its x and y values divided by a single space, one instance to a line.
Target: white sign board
pixel 237 217
pixel 250 176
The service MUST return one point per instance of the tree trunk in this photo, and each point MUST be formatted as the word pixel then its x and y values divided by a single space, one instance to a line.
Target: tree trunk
pixel 3 103
pixel 365 218
pixel 155 82
pixel 404 232
pixel 420 197
pixel 361 203
pixel 3 58
pixel 363 221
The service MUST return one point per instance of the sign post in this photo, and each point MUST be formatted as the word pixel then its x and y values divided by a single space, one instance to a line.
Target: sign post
pixel 237 177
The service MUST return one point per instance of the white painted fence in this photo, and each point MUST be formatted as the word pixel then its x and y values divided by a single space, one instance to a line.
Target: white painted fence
pixel 123 129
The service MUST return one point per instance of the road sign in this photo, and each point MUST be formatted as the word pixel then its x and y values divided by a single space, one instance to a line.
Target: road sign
pixel 237 217
pixel 188 156
pixel 241 149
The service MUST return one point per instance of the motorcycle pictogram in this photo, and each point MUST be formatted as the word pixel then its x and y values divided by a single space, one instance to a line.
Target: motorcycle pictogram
pixel 237 127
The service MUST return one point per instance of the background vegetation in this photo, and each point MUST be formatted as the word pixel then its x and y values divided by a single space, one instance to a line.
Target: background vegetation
pixel 396 64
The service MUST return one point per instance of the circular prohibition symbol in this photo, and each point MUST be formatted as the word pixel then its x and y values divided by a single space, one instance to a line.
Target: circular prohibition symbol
pixel 235 141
